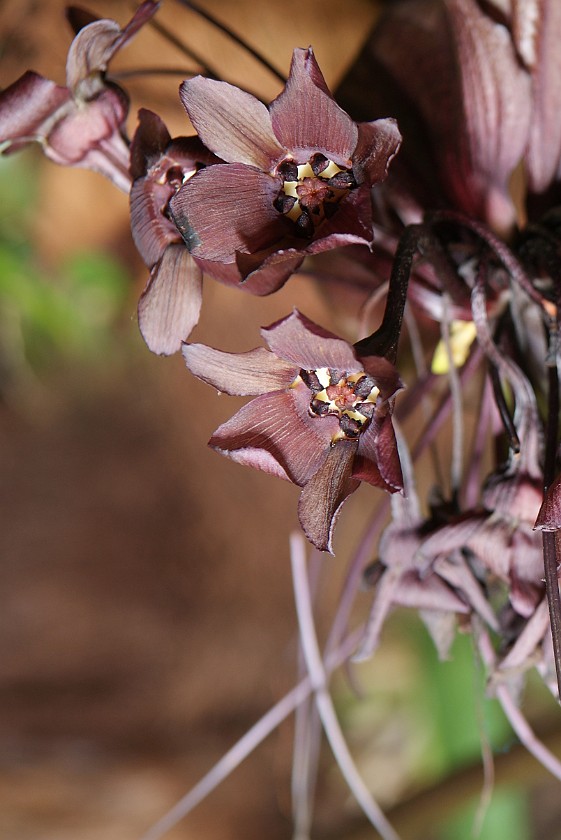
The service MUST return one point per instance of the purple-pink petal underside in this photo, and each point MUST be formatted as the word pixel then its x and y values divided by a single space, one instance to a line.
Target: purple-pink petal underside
pixel 307 119
pixel 378 143
pixel 298 340
pixel 271 434
pixel 242 374
pixel 170 307
pixel 543 155
pixel 231 123
pixel 429 593
pixel 323 495
pixel 26 106
pixel 228 208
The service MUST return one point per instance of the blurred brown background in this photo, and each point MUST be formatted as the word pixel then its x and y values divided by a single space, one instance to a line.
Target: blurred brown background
pixel 146 615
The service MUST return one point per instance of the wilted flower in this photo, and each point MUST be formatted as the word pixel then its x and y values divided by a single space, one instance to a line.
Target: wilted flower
pixel 82 124
pixel 321 417
pixel 296 180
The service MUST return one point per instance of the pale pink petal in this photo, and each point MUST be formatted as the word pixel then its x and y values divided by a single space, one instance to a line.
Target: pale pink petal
pixel 306 118
pixel 169 308
pixel 378 143
pixel 297 339
pixel 228 208
pixel 277 424
pixel 324 494
pixel 243 374
pixel 427 593
pixel 26 107
pixel 231 123
pixel 96 44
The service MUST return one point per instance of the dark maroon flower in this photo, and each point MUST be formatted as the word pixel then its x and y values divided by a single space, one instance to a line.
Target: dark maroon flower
pixel 82 124
pixel 170 305
pixel 470 105
pixel 321 417
pixel 296 180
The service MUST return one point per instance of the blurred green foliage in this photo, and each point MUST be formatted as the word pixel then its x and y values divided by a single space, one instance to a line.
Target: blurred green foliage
pixel 46 318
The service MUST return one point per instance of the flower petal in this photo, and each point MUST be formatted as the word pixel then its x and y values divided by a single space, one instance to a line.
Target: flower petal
pixel 255 372
pixel 322 497
pixel 26 107
pixel 231 123
pixel 543 156
pixel 169 308
pixel 151 230
pixel 377 461
pixel 274 433
pixel 96 44
pixel 271 274
pixel 306 118
pixel 496 96
pixel 378 143
pixel 228 208
pixel 298 340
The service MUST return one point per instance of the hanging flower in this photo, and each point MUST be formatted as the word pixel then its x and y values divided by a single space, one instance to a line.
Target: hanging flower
pixel 296 180
pixel 82 124
pixel 321 417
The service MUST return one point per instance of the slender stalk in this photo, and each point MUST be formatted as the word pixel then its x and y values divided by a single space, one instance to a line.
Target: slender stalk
pixel 232 35
pixel 323 700
pixel 384 341
pixel 177 42
pixel 248 742
pixel 550 558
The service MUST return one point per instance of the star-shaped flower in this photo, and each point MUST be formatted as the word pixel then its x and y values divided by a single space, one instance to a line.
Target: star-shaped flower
pixel 321 416
pixel 296 178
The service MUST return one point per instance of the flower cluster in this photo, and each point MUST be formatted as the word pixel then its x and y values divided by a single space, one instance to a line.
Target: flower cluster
pixel 462 224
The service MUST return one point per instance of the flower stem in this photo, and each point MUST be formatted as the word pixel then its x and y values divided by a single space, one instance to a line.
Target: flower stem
pixel 236 38
pixel 384 341
pixel 550 537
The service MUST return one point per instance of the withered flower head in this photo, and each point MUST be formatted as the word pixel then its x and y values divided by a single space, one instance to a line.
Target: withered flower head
pixel 82 124
pixel 321 417
pixel 296 180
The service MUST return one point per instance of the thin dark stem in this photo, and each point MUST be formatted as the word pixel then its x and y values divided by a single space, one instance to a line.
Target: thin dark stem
pixel 550 558
pixel 232 35
pixel 173 39
pixel 553 602
pixel 154 71
pixel 512 434
pixel 499 248
pixel 384 341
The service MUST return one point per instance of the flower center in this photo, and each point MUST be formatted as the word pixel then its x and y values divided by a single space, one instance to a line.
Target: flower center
pixel 311 191
pixel 350 397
